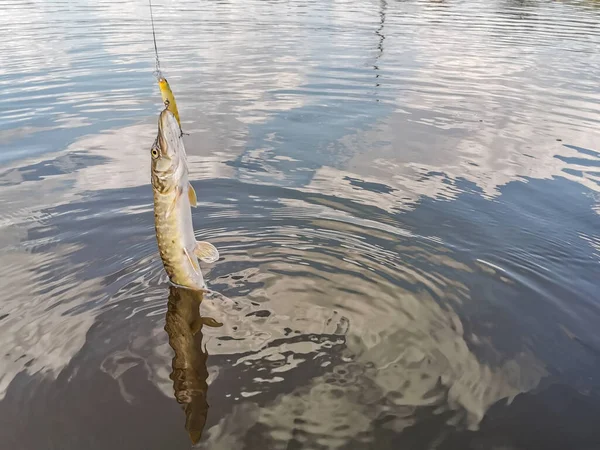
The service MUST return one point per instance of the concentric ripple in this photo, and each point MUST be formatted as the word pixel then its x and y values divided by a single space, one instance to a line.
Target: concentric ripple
pixel 404 195
pixel 325 315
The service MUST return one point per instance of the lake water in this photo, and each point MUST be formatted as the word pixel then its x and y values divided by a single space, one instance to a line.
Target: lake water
pixel 405 196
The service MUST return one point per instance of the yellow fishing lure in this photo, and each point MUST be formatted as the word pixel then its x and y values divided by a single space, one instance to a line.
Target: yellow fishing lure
pixel 168 97
pixel 165 90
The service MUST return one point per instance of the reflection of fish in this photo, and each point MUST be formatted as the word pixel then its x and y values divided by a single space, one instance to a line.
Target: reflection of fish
pixel 184 327
pixel 173 197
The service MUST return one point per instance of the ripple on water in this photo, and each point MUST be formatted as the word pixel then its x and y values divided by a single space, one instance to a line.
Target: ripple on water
pixel 291 291
pixel 405 244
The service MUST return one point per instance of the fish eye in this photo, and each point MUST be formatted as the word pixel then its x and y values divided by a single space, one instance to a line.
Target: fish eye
pixel 154 152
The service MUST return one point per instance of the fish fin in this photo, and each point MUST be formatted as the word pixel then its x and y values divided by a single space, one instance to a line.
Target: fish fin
pixel 192 196
pixel 196 326
pixel 193 262
pixel 206 252
pixel 200 290
pixel 174 202
pixel 210 322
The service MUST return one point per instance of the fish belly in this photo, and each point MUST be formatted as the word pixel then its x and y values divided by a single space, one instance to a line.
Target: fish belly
pixel 172 239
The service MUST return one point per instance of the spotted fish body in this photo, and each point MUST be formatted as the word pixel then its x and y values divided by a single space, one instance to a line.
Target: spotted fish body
pixel 173 198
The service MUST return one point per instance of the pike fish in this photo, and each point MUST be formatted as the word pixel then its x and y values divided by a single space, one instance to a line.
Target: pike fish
pixel 173 198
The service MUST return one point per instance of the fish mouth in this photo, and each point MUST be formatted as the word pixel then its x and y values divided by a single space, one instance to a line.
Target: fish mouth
pixel 168 131
pixel 170 144
pixel 164 122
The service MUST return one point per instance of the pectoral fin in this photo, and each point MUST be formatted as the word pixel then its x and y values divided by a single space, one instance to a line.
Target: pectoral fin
pixel 196 326
pixel 174 202
pixel 192 196
pixel 206 252
pixel 210 322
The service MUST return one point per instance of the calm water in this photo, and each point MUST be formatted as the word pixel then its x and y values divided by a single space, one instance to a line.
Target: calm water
pixel 405 195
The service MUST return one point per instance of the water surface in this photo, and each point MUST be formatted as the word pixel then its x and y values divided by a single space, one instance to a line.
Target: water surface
pixel 405 196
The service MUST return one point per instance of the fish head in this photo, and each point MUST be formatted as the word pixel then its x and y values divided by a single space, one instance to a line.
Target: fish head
pixel 168 153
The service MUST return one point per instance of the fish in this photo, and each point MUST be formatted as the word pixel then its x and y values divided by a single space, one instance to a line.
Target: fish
pixel 174 197
pixel 168 97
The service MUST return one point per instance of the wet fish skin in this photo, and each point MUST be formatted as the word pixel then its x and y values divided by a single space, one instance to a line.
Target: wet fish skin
pixel 173 198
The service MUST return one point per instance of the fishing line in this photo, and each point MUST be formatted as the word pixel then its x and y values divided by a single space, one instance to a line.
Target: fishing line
pixel 157 71
pixel 165 89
